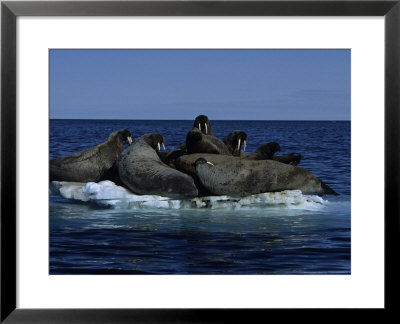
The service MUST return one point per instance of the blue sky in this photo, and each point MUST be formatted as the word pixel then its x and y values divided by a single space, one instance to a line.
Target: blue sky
pixel 181 84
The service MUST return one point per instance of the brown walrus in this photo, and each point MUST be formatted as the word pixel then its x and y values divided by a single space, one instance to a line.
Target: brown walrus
pixel 241 177
pixel 92 164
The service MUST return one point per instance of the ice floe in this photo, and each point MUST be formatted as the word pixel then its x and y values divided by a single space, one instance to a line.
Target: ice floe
pixel 108 194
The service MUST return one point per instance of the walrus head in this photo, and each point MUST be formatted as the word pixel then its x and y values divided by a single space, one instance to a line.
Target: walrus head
pixel 268 150
pixel 193 136
pixel 200 161
pixel 125 135
pixel 154 140
pixel 121 136
pixel 203 124
pixel 234 141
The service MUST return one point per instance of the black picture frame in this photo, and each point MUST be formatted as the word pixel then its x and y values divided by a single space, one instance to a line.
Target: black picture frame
pixel 10 10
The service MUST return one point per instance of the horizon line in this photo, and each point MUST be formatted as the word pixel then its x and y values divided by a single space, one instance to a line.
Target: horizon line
pixel 193 119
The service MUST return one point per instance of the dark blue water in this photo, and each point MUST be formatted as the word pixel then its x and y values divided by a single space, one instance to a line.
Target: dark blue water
pixel 88 239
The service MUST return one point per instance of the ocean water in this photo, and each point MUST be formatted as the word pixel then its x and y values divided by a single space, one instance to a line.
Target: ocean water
pixel 104 229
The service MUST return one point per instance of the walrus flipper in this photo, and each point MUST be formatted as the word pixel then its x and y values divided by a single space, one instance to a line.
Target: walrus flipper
pixel 328 190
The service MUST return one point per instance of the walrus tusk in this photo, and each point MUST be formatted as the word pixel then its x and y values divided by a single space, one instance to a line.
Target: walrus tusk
pixel 238 145
pixel 163 146
pixel 210 163
pixel 158 145
pixel 206 127
pixel 244 146
pixel 129 140
pixel 200 127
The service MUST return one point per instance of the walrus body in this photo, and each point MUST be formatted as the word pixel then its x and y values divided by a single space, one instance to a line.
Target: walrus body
pixel 241 177
pixel 197 142
pixel 92 164
pixel 142 171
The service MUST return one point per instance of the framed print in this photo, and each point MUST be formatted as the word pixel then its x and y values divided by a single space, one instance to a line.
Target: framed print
pixel 279 174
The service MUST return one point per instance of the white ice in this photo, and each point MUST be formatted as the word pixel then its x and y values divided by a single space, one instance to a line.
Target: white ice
pixel 106 193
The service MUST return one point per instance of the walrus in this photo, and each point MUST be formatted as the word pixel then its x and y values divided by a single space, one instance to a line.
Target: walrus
pixel 234 141
pixel 241 177
pixel 292 158
pixel 185 164
pixel 142 171
pixel 264 152
pixel 90 165
pixel 203 124
pixel 267 151
pixel 197 142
